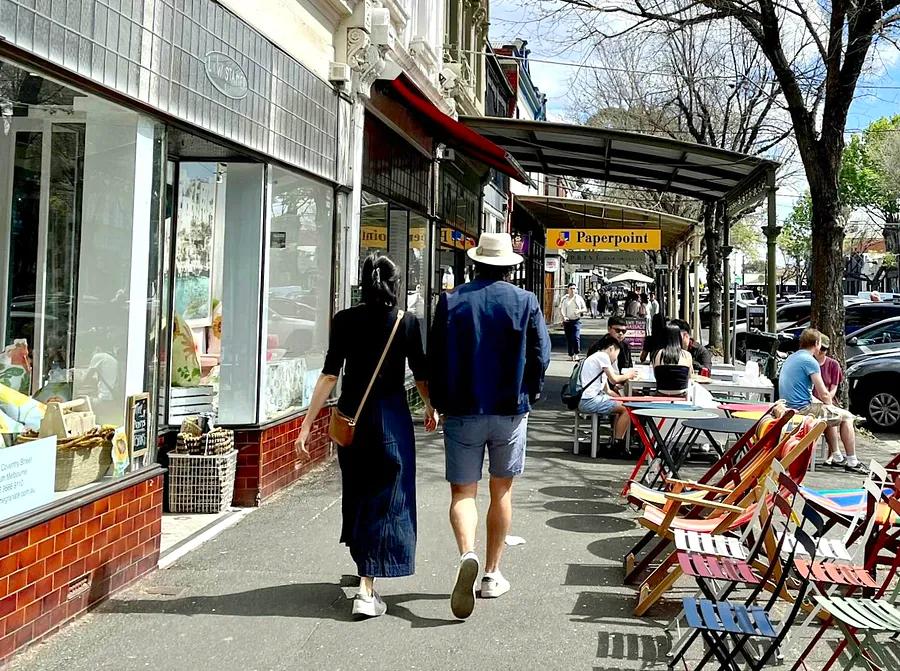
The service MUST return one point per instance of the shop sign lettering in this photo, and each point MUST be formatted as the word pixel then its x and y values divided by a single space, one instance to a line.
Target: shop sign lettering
pixel 27 474
pixel 226 75
pixel 592 239
pixel 374 237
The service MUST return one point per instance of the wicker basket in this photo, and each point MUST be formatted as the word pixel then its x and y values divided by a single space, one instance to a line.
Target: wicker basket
pixel 217 441
pixel 201 483
pixel 80 460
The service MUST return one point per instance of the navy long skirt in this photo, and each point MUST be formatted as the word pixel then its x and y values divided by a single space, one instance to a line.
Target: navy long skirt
pixel 378 473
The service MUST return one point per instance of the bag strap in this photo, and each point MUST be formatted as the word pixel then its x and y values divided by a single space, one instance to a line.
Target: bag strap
pixel 378 367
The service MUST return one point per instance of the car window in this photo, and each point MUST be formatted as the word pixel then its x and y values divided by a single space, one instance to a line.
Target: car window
pixel 890 333
pixel 792 313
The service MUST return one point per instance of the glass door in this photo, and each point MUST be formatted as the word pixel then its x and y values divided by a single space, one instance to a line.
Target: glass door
pixel 42 240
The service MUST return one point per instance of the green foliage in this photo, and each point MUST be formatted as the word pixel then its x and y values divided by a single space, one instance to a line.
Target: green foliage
pixel 795 240
pixel 870 169
pixel 746 236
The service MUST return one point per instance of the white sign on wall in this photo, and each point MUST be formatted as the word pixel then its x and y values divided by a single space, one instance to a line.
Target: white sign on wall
pixel 27 475
pixel 551 264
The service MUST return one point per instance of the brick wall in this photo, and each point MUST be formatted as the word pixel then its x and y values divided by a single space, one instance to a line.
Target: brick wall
pixel 56 570
pixel 267 461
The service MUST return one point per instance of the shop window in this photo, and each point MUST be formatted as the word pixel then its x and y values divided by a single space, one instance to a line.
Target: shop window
pixel 80 189
pixel 299 290
pixel 417 270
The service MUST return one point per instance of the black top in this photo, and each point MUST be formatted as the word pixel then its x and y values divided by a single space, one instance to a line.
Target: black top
pixel 624 360
pixel 357 339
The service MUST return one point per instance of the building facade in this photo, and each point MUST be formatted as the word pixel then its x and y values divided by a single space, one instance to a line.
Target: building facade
pixel 187 192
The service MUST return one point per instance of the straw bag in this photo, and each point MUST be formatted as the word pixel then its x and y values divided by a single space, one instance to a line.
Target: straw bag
pixel 342 428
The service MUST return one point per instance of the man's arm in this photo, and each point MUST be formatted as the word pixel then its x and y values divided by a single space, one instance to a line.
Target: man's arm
pixel 437 355
pixel 537 350
pixel 819 390
pixel 703 359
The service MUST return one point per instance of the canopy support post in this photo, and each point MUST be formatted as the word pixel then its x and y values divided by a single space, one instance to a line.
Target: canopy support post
pixel 726 291
pixel 771 231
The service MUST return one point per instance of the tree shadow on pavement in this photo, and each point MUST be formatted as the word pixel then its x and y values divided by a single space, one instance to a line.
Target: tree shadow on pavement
pixel 591 524
pixel 325 601
pixel 583 507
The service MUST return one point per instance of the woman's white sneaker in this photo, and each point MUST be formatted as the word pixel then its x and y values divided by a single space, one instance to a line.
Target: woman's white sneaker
pixel 493 585
pixel 369 606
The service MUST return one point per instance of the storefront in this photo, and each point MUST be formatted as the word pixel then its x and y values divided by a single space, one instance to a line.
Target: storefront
pixel 460 205
pixel 168 224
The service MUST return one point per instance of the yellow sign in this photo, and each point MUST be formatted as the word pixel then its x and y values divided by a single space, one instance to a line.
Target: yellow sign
pixel 374 237
pixel 456 239
pixel 590 239
pixel 417 238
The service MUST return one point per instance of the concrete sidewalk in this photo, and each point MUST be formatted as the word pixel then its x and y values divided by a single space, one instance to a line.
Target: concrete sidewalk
pixel 273 591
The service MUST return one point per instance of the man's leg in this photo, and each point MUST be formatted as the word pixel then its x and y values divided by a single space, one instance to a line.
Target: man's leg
pixel 578 337
pixel 848 438
pixel 499 520
pixel 831 439
pixel 464 515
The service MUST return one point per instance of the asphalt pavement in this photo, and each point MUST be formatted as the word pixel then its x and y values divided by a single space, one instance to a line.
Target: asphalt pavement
pixel 273 591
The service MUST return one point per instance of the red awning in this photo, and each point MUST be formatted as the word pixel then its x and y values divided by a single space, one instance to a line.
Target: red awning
pixel 457 135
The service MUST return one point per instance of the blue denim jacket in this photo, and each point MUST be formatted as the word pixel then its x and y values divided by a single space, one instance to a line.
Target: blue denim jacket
pixel 488 350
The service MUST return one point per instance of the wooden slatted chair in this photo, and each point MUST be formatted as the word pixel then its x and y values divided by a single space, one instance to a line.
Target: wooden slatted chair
pixel 728 627
pixel 729 516
pixel 734 474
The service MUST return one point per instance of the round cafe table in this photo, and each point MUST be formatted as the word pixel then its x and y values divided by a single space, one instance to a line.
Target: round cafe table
pixel 659 449
pixel 732 408
pixel 753 415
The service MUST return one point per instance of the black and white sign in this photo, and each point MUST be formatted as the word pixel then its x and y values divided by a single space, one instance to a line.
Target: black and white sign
pixel 137 424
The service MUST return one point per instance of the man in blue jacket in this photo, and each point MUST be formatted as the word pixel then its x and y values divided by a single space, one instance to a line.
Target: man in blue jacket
pixel 487 354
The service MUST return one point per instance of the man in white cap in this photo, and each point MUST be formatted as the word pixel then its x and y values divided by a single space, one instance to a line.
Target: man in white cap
pixel 487 354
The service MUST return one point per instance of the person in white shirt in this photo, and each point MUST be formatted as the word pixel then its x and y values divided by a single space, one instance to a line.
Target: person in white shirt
pixel 572 308
pixel 594 299
pixel 597 374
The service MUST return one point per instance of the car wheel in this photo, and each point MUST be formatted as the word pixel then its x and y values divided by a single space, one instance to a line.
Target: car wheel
pixel 883 409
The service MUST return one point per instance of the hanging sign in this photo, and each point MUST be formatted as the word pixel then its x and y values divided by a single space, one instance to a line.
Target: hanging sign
pixel 606 258
pixel 595 239
pixel 551 264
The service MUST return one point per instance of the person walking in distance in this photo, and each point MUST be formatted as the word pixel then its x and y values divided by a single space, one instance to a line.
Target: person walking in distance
pixel 372 343
pixel 594 304
pixel 487 355
pixel 572 308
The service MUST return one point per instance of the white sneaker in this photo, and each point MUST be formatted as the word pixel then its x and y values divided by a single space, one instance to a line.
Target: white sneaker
pixel 493 585
pixel 369 606
pixel 462 599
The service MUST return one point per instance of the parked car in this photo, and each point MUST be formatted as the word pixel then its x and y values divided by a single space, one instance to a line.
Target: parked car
pixel 857 316
pixel 878 338
pixel 875 390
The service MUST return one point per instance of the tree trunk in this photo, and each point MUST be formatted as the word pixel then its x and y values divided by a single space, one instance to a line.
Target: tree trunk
pixel 828 260
pixel 712 234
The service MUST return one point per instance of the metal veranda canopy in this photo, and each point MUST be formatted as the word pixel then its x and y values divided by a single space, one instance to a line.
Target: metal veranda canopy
pixel 656 163
pixel 740 181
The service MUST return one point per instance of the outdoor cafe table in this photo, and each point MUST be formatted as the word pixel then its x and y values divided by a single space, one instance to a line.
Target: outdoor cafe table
pixel 738 384
pixel 709 427
pixel 659 447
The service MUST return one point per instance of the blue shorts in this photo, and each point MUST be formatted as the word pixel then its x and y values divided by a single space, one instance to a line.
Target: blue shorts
pixel 598 405
pixel 466 437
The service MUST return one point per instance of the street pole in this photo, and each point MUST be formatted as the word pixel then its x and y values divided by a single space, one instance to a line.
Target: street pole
pixel 771 232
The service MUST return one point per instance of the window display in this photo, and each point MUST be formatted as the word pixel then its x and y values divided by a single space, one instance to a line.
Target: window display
pixel 79 226
pixel 299 290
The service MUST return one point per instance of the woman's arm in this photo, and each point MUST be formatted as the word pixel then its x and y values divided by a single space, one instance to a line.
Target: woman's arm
pixel 431 416
pixel 324 386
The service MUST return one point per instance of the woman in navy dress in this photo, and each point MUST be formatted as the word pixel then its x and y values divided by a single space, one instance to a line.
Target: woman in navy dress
pixel 378 471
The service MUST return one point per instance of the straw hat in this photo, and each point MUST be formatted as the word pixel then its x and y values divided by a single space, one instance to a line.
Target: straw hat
pixel 495 249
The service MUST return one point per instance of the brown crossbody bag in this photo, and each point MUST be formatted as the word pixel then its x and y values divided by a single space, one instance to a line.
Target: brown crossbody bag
pixel 341 427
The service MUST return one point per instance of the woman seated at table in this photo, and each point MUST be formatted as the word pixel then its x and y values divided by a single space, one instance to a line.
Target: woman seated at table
pixel 597 373
pixel 672 365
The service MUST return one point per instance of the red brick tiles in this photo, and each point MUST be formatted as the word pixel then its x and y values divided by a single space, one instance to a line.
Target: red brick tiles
pixel 267 461
pixel 54 571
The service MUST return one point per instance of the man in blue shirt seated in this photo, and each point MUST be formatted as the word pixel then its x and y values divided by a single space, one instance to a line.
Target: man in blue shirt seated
pixel 800 376
pixel 487 354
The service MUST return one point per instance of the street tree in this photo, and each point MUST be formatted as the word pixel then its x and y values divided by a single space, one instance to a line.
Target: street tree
pixel 795 241
pixel 817 52
pixel 703 84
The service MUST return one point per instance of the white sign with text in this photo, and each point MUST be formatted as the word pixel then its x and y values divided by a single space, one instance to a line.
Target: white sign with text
pixel 27 475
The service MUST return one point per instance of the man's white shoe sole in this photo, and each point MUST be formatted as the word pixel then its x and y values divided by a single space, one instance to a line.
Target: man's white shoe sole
pixel 462 600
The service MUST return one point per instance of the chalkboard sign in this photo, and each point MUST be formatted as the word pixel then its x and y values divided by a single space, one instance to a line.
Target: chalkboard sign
pixel 137 424
pixel 637 331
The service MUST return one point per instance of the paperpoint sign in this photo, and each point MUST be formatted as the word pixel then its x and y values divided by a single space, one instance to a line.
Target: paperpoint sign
pixel 588 239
